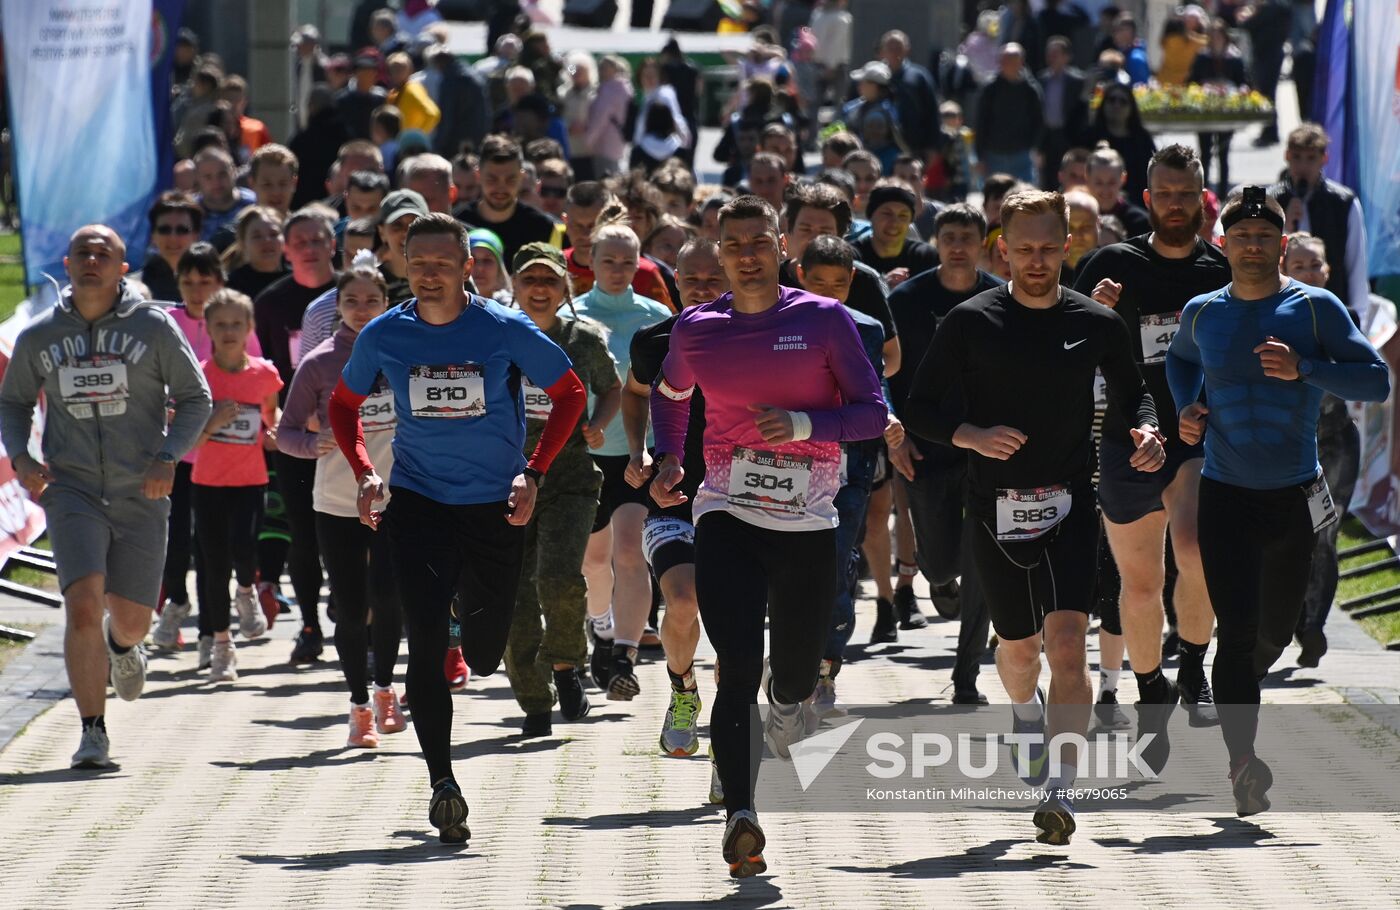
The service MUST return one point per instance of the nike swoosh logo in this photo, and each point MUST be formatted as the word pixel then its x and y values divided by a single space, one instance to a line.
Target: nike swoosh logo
pixel 1069 346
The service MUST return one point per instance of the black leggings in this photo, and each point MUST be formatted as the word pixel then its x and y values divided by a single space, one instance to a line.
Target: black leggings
pixel 226 525
pixel 439 551
pixel 180 538
pixel 297 477
pixel 1256 551
pixel 361 574
pixel 741 569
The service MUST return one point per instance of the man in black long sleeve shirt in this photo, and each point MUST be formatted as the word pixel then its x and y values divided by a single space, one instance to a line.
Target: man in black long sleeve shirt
pixel 1024 356
pixel 1010 115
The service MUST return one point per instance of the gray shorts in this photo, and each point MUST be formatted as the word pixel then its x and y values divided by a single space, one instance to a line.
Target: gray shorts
pixel 125 541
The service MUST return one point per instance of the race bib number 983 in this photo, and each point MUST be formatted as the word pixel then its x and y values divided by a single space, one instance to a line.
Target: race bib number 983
pixel 453 390
pixel 1029 514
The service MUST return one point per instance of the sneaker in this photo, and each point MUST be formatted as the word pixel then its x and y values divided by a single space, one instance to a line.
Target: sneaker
pixel 1055 819
pixel 447 811
pixel 1153 718
pixel 166 636
pixel 651 639
pixel 824 703
pixel 906 604
pixel 388 717
pixel 128 670
pixel 1107 714
pixel 622 675
pixel 573 701
pixel 206 651
pixel 1314 644
pixel 267 600
pixel 783 725
pixel 454 668
pixel 93 750
pixel 600 663
pixel 1037 757
pixel 716 788
pixel 362 733
pixel 309 645
pixel 885 628
pixel 946 599
pixel 537 725
pixel 968 697
pixel 679 736
pixel 1251 780
pixel 251 621
pixel 224 665
pixel 743 845
pixel 1198 700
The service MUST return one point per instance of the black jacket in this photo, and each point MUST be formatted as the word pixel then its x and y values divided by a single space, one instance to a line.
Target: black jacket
pixel 1010 116
pixel 1075 105
pixel 465 103
pixel 316 148
pixel 1329 211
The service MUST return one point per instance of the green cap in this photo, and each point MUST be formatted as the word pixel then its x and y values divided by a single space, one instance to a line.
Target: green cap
pixel 539 253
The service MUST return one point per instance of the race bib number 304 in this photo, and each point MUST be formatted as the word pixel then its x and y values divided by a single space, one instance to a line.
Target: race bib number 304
pixel 452 390
pixel 97 382
pixel 1157 334
pixel 770 481
pixel 1029 514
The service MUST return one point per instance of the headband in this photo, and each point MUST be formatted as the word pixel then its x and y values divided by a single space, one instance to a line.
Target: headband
pixel 1253 201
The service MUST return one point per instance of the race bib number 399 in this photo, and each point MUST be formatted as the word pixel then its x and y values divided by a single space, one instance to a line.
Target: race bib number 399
pixel 1157 334
pixel 453 390
pixel 97 382
pixel 769 480
pixel 1029 514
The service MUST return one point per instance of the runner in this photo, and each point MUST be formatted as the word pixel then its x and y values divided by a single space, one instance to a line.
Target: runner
pixel 1275 346
pixel 1147 280
pixel 1023 356
pixel 462 491
pixel 357 560
pixel 668 534
pixel 932 475
pixel 107 362
pixel 558 534
pixel 792 383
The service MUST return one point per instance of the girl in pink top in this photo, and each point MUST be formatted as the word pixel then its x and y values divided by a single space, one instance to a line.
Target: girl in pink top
pixel 230 474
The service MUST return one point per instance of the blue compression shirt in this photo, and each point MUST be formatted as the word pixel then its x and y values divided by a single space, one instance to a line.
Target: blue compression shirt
pixel 1261 433
pixel 461 418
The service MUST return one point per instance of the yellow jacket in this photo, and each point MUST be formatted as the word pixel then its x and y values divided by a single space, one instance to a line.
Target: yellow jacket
pixel 419 110
pixel 1178 53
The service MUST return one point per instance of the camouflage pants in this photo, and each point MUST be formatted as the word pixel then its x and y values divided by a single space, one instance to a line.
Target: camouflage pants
pixel 551 588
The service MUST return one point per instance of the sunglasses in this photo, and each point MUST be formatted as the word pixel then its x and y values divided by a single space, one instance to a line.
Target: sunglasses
pixel 554 192
pixel 165 230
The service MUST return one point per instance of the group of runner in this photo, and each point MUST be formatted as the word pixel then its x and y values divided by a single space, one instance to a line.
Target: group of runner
pixel 493 464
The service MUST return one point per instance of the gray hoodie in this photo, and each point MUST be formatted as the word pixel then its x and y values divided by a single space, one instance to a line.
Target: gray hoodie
pixel 106 384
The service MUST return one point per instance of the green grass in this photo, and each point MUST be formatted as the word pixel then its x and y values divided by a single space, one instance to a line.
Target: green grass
pixel 1384 629
pixel 12 291
pixel 9 650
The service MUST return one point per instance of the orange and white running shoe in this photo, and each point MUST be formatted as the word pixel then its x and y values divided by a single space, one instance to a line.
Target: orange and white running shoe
pixel 362 735
pixel 387 716
pixel 454 668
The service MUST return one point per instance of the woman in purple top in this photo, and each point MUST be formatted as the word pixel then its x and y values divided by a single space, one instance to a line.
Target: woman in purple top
pixel 786 381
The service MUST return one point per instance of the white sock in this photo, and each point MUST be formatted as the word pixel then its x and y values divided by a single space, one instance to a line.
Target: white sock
pixel 353 705
pixel 602 625
pixel 379 688
pixel 1031 709
pixel 624 642
pixel 1108 680
pixel 245 589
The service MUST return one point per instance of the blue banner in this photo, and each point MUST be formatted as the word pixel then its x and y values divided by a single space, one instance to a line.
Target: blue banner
pixel 1376 100
pixel 80 108
pixel 1332 88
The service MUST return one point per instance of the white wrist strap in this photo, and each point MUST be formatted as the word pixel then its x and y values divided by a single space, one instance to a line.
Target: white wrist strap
pixel 801 425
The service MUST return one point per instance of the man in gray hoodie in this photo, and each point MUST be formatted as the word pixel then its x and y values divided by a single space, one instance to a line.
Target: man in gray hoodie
pixel 107 362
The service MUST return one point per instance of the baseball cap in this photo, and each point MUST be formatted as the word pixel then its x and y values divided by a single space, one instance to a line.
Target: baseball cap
pixel 400 203
pixel 875 71
pixel 539 253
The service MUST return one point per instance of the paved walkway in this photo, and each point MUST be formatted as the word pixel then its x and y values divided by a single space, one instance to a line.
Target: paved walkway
pixel 244 796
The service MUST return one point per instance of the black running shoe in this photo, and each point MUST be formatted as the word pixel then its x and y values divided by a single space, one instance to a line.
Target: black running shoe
pixel 907 605
pixel 946 599
pixel 448 813
pixel 1198 700
pixel 1055 819
pixel 1153 717
pixel 309 645
pixel 536 725
pixel 1171 644
pixel 622 676
pixel 886 629
pixel 573 701
pixel 1107 714
pixel 600 664
pixel 1314 644
pixel 968 697
pixel 1251 781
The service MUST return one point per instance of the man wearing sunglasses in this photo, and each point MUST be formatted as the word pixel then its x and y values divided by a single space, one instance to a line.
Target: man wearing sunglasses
pixel 555 178
pixel 175 222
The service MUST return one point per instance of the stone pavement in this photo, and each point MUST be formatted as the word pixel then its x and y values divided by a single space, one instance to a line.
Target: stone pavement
pixel 244 795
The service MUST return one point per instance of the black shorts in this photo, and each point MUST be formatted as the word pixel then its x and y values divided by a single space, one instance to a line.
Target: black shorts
pixel 668 540
pixel 616 490
pixel 883 472
pixel 1127 494
pixel 1022 581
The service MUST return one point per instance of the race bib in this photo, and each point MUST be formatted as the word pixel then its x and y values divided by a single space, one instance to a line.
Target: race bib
pixel 94 384
pixel 1320 506
pixel 377 412
pixel 243 430
pixel 1157 334
pixel 454 390
pixel 659 530
pixel 1029 514
pixel 538 404
pixel 769 480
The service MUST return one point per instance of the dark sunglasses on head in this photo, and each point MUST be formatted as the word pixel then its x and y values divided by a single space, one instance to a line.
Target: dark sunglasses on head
pixel 554 192
pixel 165 230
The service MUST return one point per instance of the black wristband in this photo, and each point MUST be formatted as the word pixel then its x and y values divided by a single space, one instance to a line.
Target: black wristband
pixel 533 474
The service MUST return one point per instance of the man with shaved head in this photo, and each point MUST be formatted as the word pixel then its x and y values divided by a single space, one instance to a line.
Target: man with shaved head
pixel 107 361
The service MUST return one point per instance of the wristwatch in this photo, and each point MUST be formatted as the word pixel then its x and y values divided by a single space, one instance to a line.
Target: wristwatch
pixel 533 474
pixel 165 458
pixel 1305 368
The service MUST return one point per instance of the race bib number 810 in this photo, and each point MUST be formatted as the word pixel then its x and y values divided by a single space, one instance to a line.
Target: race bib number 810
pixel 453 390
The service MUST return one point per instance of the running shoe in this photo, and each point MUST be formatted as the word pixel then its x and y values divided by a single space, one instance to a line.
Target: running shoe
pixel 1251 780
pixel 454 668
pixel 886 629
pixel 1314 644
pixel 600 663
pixel 94 750
pixel 362 733
pixel 267 600
pixel 968 697
pixel 784 725
pixel 309 645
pixel 622 674
pixel 679 736
pixel 1198 700
pixel 716 788
pixel 1107 714
pixel 743 845
pixel 206 651
pixel 537 725
pixel 447 812
pixel 1037 758
pixel 1153 717
pixel 824 703
pixel 388 717
pixel 223 667
pixel 946 599
pixel 251 621
pixel 907 606
pixel 166 636
pixel 1055 819
pixel 573 701
pixel 650 638
pixel 128 674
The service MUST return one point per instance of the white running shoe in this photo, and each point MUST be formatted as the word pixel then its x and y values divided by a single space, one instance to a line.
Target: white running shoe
pixel 784 725
pixel 93 750
pixel 224 664
pixel 166 636
pixel 128 670
pixel 824 703
pixel 206 651
pixel 251 621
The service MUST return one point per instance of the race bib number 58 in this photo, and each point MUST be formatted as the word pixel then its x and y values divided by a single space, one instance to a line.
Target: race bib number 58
pixel 452 390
